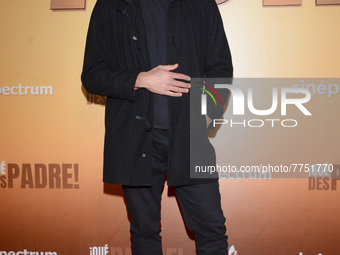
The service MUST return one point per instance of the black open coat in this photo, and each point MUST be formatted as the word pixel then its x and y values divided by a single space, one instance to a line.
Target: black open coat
pixel 116 52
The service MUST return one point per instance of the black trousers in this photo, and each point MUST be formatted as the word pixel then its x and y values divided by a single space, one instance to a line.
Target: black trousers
pixel 200 205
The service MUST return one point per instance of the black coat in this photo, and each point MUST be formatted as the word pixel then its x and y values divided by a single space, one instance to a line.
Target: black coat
pixel 116 52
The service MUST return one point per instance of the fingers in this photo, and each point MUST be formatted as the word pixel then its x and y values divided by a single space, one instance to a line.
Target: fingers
pixel 180 76
pixel 161 80
pixel 168 67
pixel 177 88
pixel 208 120
pixel 173 94
pixel 182 86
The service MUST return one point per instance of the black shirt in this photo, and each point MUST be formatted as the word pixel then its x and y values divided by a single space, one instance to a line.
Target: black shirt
pixel 154 14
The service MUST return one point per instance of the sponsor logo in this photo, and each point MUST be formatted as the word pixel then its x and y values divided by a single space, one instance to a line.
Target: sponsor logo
pixel 39 176
pixel 25 252
pixel 233 172
pixel 3 167
pixel 232 251
pixel 99 250
pixel 324 177
pixel 21 90
pixel 329 89
pixel 302 253
pixel 95 99
pixel 104 250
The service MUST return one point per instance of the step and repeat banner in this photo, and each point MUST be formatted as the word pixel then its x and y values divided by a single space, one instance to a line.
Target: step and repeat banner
pixel 277 148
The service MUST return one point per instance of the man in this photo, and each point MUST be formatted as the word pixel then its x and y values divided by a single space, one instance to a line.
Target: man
pixel 141 55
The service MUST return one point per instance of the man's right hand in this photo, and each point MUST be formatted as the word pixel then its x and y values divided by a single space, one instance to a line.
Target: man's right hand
pixel 161 81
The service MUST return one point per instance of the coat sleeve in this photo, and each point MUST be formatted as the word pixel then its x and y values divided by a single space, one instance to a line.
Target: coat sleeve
pixel 98 75
pixel 218 58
